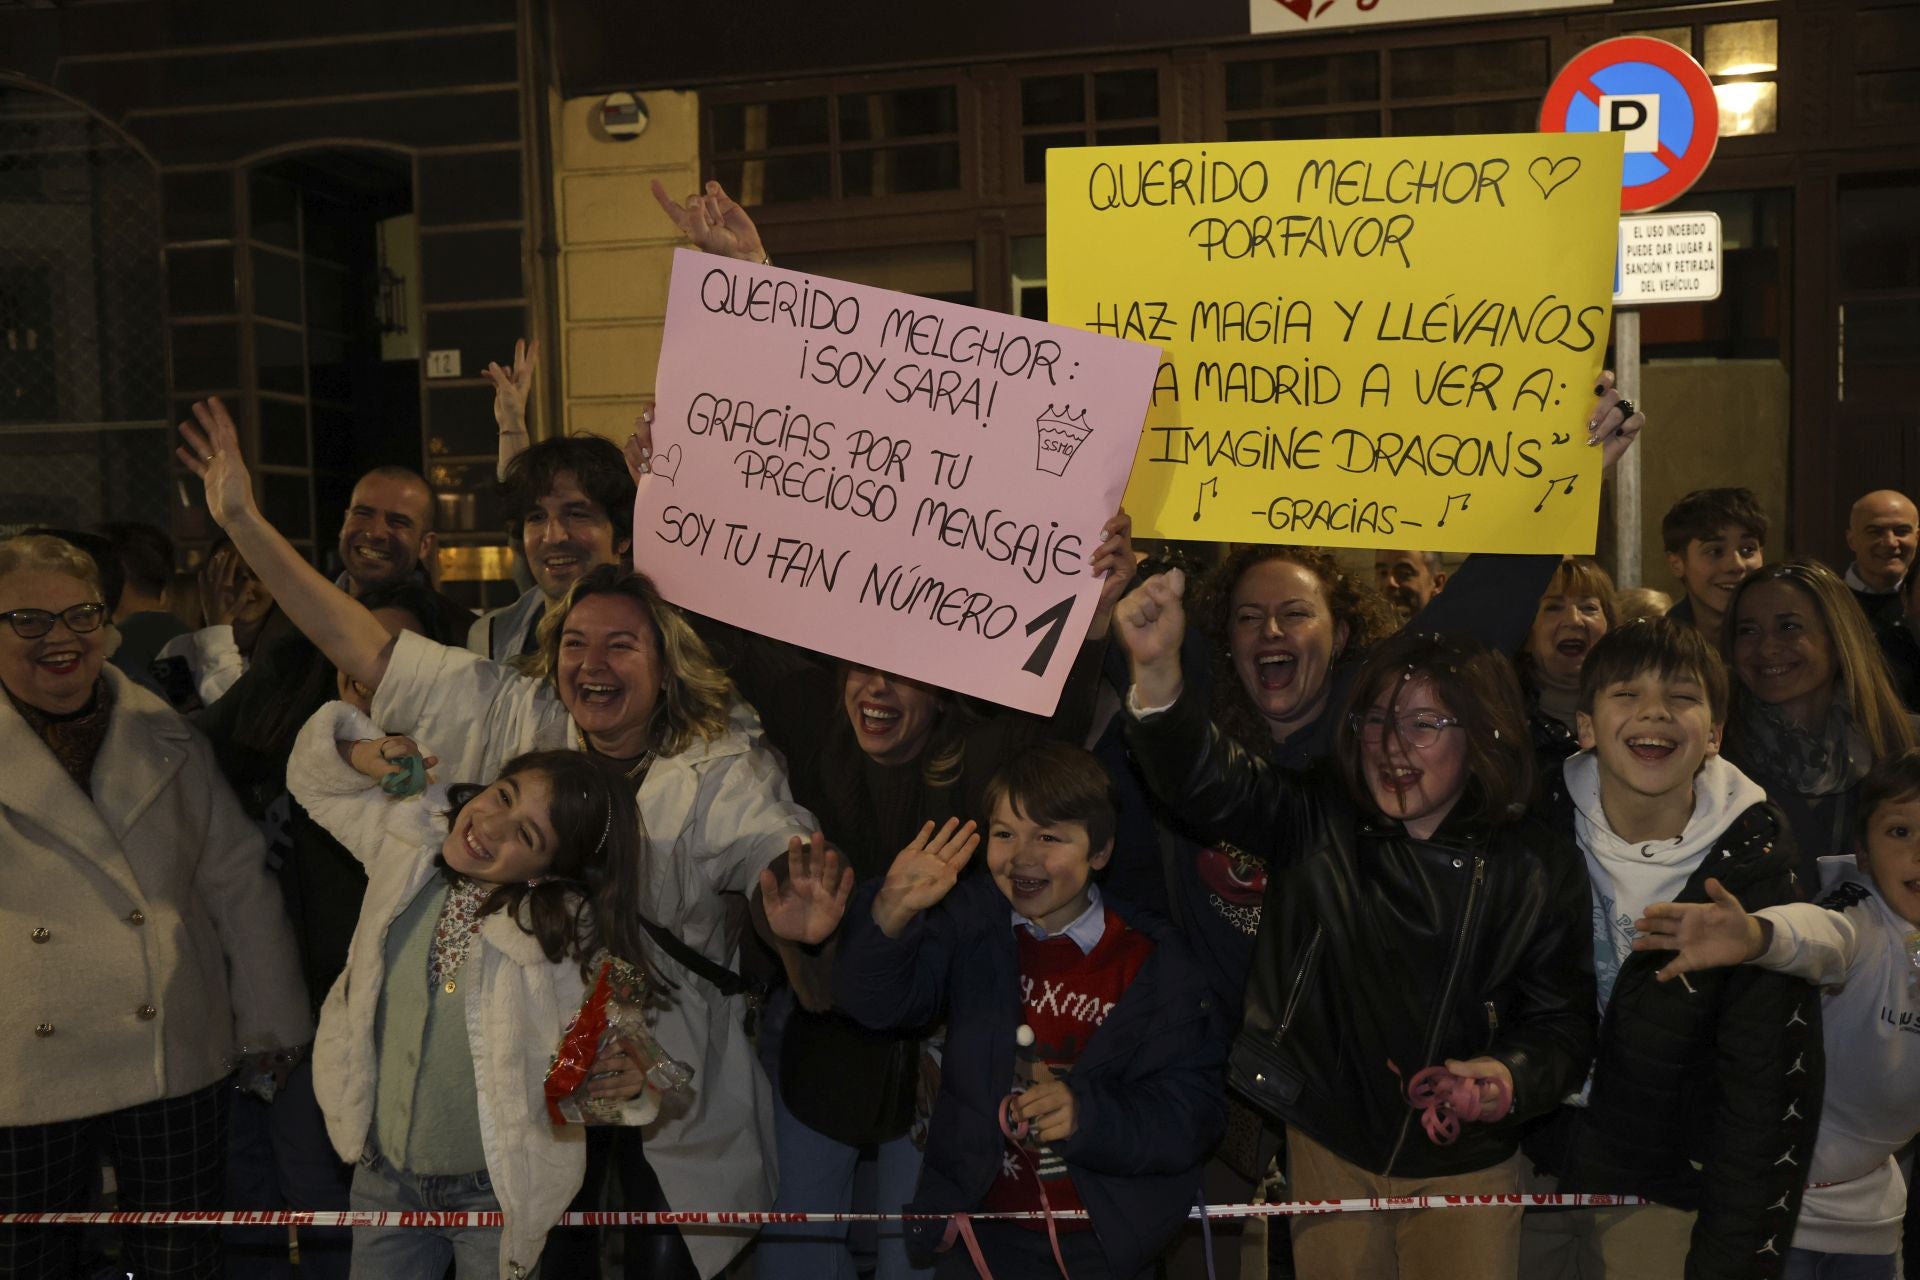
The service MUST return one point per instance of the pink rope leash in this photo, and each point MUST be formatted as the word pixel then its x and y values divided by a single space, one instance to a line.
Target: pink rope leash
pixel 1446 1101
pixel 961 1225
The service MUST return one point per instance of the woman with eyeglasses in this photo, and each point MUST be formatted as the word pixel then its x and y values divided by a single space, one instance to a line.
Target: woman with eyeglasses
pixel 145 954
pixel 1422 982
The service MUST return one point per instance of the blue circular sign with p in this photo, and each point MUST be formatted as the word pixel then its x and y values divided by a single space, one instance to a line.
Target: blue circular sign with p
pixel 1653 93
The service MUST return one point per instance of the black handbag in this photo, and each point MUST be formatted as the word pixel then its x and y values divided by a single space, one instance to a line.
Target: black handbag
pixel 1256 1069
pixel 839 1079
pixel 1257 1072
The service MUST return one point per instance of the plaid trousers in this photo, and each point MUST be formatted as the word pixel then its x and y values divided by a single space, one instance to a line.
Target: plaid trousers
pixel 168 1155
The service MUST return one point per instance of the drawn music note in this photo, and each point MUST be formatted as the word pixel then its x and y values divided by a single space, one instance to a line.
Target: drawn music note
pixel 1452 498
pixel 1205 485
pixel 1549 493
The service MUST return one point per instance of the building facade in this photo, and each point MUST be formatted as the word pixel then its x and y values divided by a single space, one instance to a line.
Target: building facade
pixel 299 153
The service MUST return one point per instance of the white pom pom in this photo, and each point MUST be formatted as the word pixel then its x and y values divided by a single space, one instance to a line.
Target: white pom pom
pixel 1024 1037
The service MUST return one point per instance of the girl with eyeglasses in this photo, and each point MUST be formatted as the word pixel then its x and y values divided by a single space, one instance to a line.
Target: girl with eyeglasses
pixel 1422 982
pixel 146 954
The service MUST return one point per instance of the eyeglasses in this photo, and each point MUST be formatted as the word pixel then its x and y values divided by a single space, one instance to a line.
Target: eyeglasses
pixel 1420 729
pixel 31 624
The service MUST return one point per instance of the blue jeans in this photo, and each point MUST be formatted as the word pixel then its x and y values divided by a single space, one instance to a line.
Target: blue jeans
pixel 1809 1264
pixel 816 1176
pixel 422 1253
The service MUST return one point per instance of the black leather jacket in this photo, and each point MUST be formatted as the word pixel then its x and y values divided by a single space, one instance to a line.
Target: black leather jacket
pixel 1379 951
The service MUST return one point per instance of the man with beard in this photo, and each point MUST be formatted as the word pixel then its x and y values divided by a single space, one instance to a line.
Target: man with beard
pixel 1408 579
pixel 386 537
pixel 572 508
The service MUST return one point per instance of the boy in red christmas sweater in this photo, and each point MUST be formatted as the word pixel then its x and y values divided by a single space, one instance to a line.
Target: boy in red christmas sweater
pixel 1083 1059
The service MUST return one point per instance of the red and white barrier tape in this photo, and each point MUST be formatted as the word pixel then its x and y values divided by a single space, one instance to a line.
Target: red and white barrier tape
pixel 404 1218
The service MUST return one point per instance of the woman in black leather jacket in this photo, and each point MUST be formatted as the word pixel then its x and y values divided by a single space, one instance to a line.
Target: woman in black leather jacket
pixel 1413 918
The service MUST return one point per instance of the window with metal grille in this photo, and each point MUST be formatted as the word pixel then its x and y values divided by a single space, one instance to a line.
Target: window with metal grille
pixel 83 430
pixel 844 145
pixel 1485 87
pixel 1115 107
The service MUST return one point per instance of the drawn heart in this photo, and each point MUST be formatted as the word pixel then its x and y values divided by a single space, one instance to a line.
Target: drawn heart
pixel 1549 174
pixel 667 465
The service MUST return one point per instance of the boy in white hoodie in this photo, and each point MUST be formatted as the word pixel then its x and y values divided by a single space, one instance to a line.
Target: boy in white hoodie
pixel 1859 944
pixel 1705 1096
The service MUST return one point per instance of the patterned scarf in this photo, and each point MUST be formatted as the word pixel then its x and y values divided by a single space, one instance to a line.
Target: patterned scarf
pixel 1810 765
pixel 75 738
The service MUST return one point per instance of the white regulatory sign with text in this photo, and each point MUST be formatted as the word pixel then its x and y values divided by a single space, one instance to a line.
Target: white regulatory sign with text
pixel 1667 257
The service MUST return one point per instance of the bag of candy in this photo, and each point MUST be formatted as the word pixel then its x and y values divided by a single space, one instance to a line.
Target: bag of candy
pixel 614 1012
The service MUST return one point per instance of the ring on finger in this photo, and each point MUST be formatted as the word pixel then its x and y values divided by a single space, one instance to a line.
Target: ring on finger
pixel 1627 408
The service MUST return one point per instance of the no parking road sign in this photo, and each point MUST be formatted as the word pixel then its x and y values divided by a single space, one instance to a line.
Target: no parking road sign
pixel 1657 96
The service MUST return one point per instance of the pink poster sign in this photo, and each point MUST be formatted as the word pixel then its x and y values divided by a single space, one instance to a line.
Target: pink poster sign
pixel 909 484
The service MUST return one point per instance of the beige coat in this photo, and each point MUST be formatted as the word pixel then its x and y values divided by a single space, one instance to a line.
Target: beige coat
pixel 142 944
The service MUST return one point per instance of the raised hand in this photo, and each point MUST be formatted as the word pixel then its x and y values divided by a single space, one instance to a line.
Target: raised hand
pixel 1614 423
pixel 639 446
pixel 212 452
pixel 714 223
pixel 1151 623
pixel 1113 563
pixel 808 908
pixel 923 873
pixel 511 389
pixel 375 758
pixel 1707 935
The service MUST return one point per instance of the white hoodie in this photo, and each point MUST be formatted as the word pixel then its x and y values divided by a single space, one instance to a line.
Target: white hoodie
pixel 1853 944
pixel 1627 878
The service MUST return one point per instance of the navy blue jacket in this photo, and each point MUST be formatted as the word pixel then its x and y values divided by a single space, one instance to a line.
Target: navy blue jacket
pixel 1149 1085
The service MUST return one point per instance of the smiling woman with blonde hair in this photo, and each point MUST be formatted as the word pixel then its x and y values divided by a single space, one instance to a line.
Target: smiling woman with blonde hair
pixel 146 954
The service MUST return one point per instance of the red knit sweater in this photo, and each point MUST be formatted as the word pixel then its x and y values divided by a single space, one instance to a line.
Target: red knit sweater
pixel 1065 994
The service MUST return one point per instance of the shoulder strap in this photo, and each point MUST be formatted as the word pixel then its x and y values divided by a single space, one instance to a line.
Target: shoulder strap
pixel 725 980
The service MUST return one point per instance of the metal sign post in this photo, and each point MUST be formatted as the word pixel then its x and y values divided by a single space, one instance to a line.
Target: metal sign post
pixel 1626 472
pixel 1663 102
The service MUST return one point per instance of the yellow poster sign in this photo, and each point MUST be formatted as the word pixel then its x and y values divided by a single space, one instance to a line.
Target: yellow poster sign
pixel 1381 342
